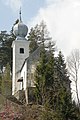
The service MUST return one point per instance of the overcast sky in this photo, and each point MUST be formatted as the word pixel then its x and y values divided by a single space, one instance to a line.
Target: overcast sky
pixel 62 18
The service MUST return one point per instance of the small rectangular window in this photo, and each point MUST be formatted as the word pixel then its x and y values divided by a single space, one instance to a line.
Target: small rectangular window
pixel 22 50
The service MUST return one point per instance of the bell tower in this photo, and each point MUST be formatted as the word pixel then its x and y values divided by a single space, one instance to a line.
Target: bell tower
pixel 20 51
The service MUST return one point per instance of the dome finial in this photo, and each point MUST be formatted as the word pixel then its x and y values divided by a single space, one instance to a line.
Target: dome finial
pixel 20 29
pixel 20 15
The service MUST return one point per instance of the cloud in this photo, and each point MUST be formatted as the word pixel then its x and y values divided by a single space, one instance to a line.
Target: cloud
pixel 63 21
pixel 13 4
pixel 53 1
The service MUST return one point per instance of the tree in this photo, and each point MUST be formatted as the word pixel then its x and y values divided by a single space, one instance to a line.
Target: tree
pixel 43 33
pixel 6 40
pixel 73 68
pixel 44 73
pixel 64 90
pixel 61 95
pixel 62 72
pixel 6 81
pixel 40 78
pixel 33 40
pixel 5 48
pixel 37 36
pixel 53 87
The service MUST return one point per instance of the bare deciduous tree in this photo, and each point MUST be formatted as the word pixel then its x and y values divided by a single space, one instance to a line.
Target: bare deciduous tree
pixel 73 67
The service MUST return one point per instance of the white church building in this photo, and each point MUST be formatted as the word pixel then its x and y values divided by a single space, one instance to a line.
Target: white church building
pixel 23 64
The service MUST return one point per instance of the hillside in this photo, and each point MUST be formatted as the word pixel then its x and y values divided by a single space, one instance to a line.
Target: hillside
pixel 13 110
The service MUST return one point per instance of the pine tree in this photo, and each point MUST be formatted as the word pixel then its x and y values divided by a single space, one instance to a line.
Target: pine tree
pixel 37 36
pixel 33 40
pixel 6 81
pixel 53 88
pixel 62 71
pixel 64 91
pixel 5 48
pixel 40 78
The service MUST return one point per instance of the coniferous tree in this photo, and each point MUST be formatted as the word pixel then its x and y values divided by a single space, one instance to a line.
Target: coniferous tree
pixel 64 91
pixel 33 40
pixel 52 86
pixel 62 72
pixel 40 78
pixel 5 48
pixel 37 36
pixel 6 81
pixel 51 80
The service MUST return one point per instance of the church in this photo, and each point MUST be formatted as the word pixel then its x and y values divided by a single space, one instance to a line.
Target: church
pixel 23 64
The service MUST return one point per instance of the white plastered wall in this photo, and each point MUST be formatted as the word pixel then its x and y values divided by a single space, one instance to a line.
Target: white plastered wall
pixel 18 60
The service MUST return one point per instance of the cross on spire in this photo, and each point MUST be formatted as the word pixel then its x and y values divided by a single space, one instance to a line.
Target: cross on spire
pixel 20 15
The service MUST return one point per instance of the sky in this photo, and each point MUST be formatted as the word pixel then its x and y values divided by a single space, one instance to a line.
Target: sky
pixel 62 18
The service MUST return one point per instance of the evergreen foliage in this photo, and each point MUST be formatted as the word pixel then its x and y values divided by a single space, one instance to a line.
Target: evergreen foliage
pixel 6 81
pixel 5 48
pixel 33 38
pixel 37 36
pixel 40 78
pixel 52 83
pixel 53 87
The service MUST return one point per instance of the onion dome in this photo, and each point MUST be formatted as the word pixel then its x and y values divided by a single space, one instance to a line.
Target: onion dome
pixel 20 29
